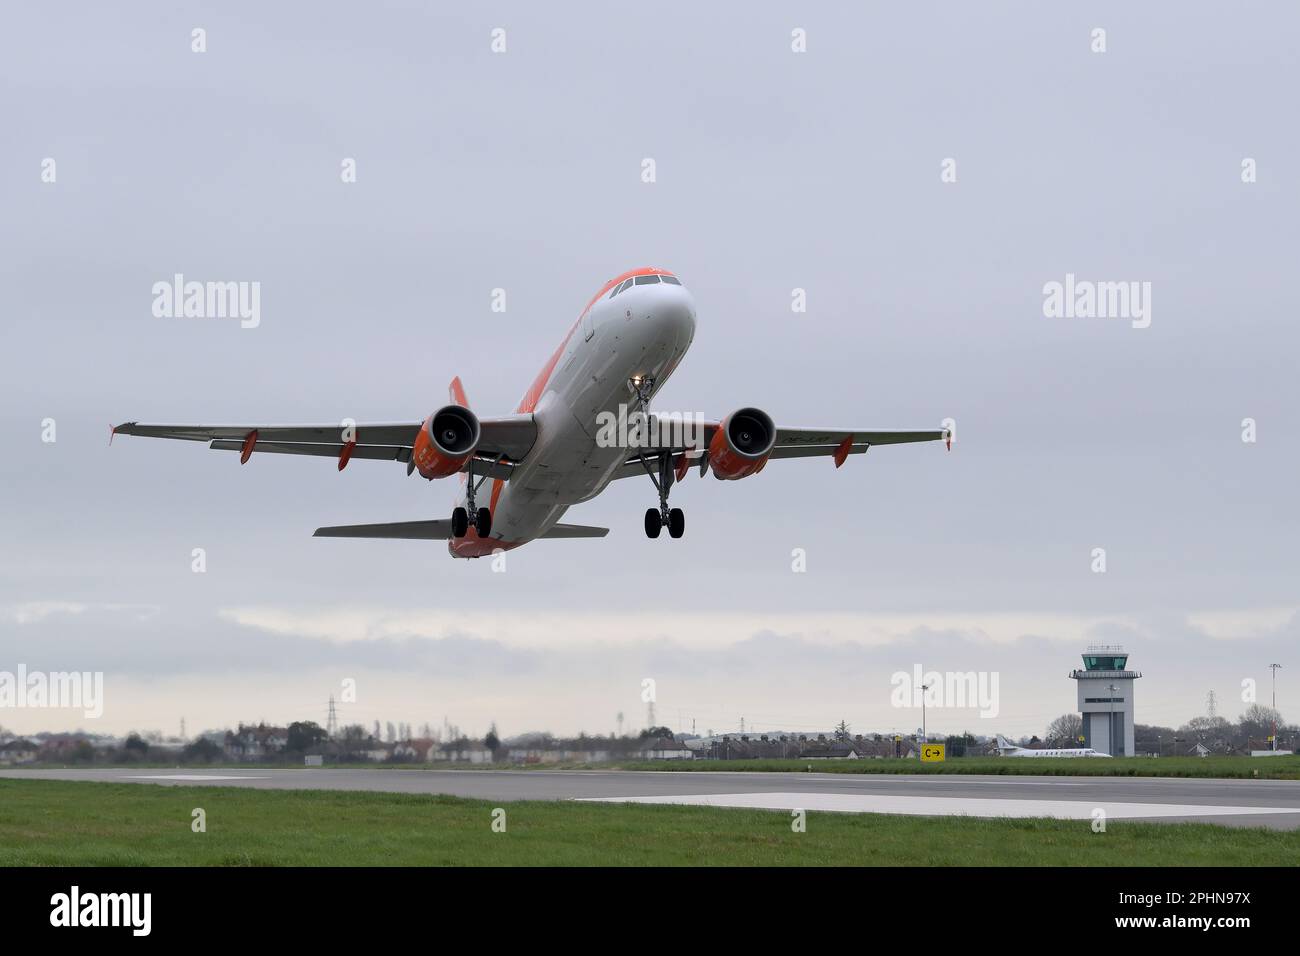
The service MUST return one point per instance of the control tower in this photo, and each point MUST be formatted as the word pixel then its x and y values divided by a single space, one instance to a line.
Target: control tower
pixel 1106 699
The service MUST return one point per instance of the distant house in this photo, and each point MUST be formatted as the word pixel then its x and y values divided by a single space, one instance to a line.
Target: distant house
pixel 556 754
pixel 17 752
pixel 664 748
pixel 463 753
pixel 65 747
pixel 829 752
pixel 251 743
pixel 744 747
pixel 415 751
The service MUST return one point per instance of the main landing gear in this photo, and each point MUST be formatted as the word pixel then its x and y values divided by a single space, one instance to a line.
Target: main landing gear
pixel 658 518
pixel 460 517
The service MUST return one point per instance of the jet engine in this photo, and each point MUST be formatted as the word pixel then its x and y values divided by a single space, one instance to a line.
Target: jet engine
pixel 741 444
pixel 446 441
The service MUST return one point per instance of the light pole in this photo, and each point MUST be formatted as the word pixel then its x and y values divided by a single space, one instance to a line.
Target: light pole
pixel 1110 730
pixel 1274 669
pixel 924 688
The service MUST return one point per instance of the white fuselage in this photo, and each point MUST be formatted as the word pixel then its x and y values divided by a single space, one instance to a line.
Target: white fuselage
pixel 1076 752
pixel 643 333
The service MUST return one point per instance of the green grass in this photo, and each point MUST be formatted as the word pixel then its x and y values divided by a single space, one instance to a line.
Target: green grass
pixel 1262 768
pixel 57 823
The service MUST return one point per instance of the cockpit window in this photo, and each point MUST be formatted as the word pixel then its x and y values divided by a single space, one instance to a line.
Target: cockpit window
pixel 671 280
pixel 646 280
pixel 619 288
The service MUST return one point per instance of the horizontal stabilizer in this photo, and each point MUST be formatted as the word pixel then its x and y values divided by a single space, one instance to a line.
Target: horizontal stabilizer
pixel 419 530
pixel 575 531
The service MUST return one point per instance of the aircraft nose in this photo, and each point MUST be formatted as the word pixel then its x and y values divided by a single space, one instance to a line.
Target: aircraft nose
pixel 675 312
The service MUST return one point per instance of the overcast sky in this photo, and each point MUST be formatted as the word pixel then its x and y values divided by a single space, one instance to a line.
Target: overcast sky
pixel 775 170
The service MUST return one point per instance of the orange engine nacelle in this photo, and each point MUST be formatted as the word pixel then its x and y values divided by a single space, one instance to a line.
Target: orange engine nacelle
pixel 446 441
pixel 741 444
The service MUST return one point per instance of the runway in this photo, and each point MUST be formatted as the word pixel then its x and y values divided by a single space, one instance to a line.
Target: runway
pixel 1268 803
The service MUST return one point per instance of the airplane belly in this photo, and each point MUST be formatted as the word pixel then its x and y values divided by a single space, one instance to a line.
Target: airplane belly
pixel 522 515
pixel 566 465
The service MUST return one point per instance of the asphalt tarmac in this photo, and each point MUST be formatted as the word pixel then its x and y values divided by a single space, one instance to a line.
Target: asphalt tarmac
pixel 1268 803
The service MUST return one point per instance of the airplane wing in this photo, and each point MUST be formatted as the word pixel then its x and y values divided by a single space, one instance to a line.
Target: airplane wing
pixel 505 441
pixel 837 443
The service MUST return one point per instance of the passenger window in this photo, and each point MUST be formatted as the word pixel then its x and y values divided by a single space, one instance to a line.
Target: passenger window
pixel 646 280
pixel 671 280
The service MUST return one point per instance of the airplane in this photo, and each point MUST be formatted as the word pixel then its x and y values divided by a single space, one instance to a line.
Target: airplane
pixel 1007 749
pixel 548 455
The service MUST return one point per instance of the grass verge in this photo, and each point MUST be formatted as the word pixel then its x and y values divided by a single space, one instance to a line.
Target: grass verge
pixel 59 823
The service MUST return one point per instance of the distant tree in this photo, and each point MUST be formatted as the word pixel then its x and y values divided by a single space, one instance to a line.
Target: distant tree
pixel 492 742
pixel 201 750
pixel 958 744
pixel 135 747
pixel 1257 723
pixel 353 741
pixel 82 752
pixel 1150 738
pixel 1065 730
pixel 1212 733
pixel 842 733
pixel 304 735
pixel 656 732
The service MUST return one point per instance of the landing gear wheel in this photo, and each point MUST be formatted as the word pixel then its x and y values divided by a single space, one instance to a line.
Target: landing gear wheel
pixel 483 522
pixel 656 518
pixel 459 522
